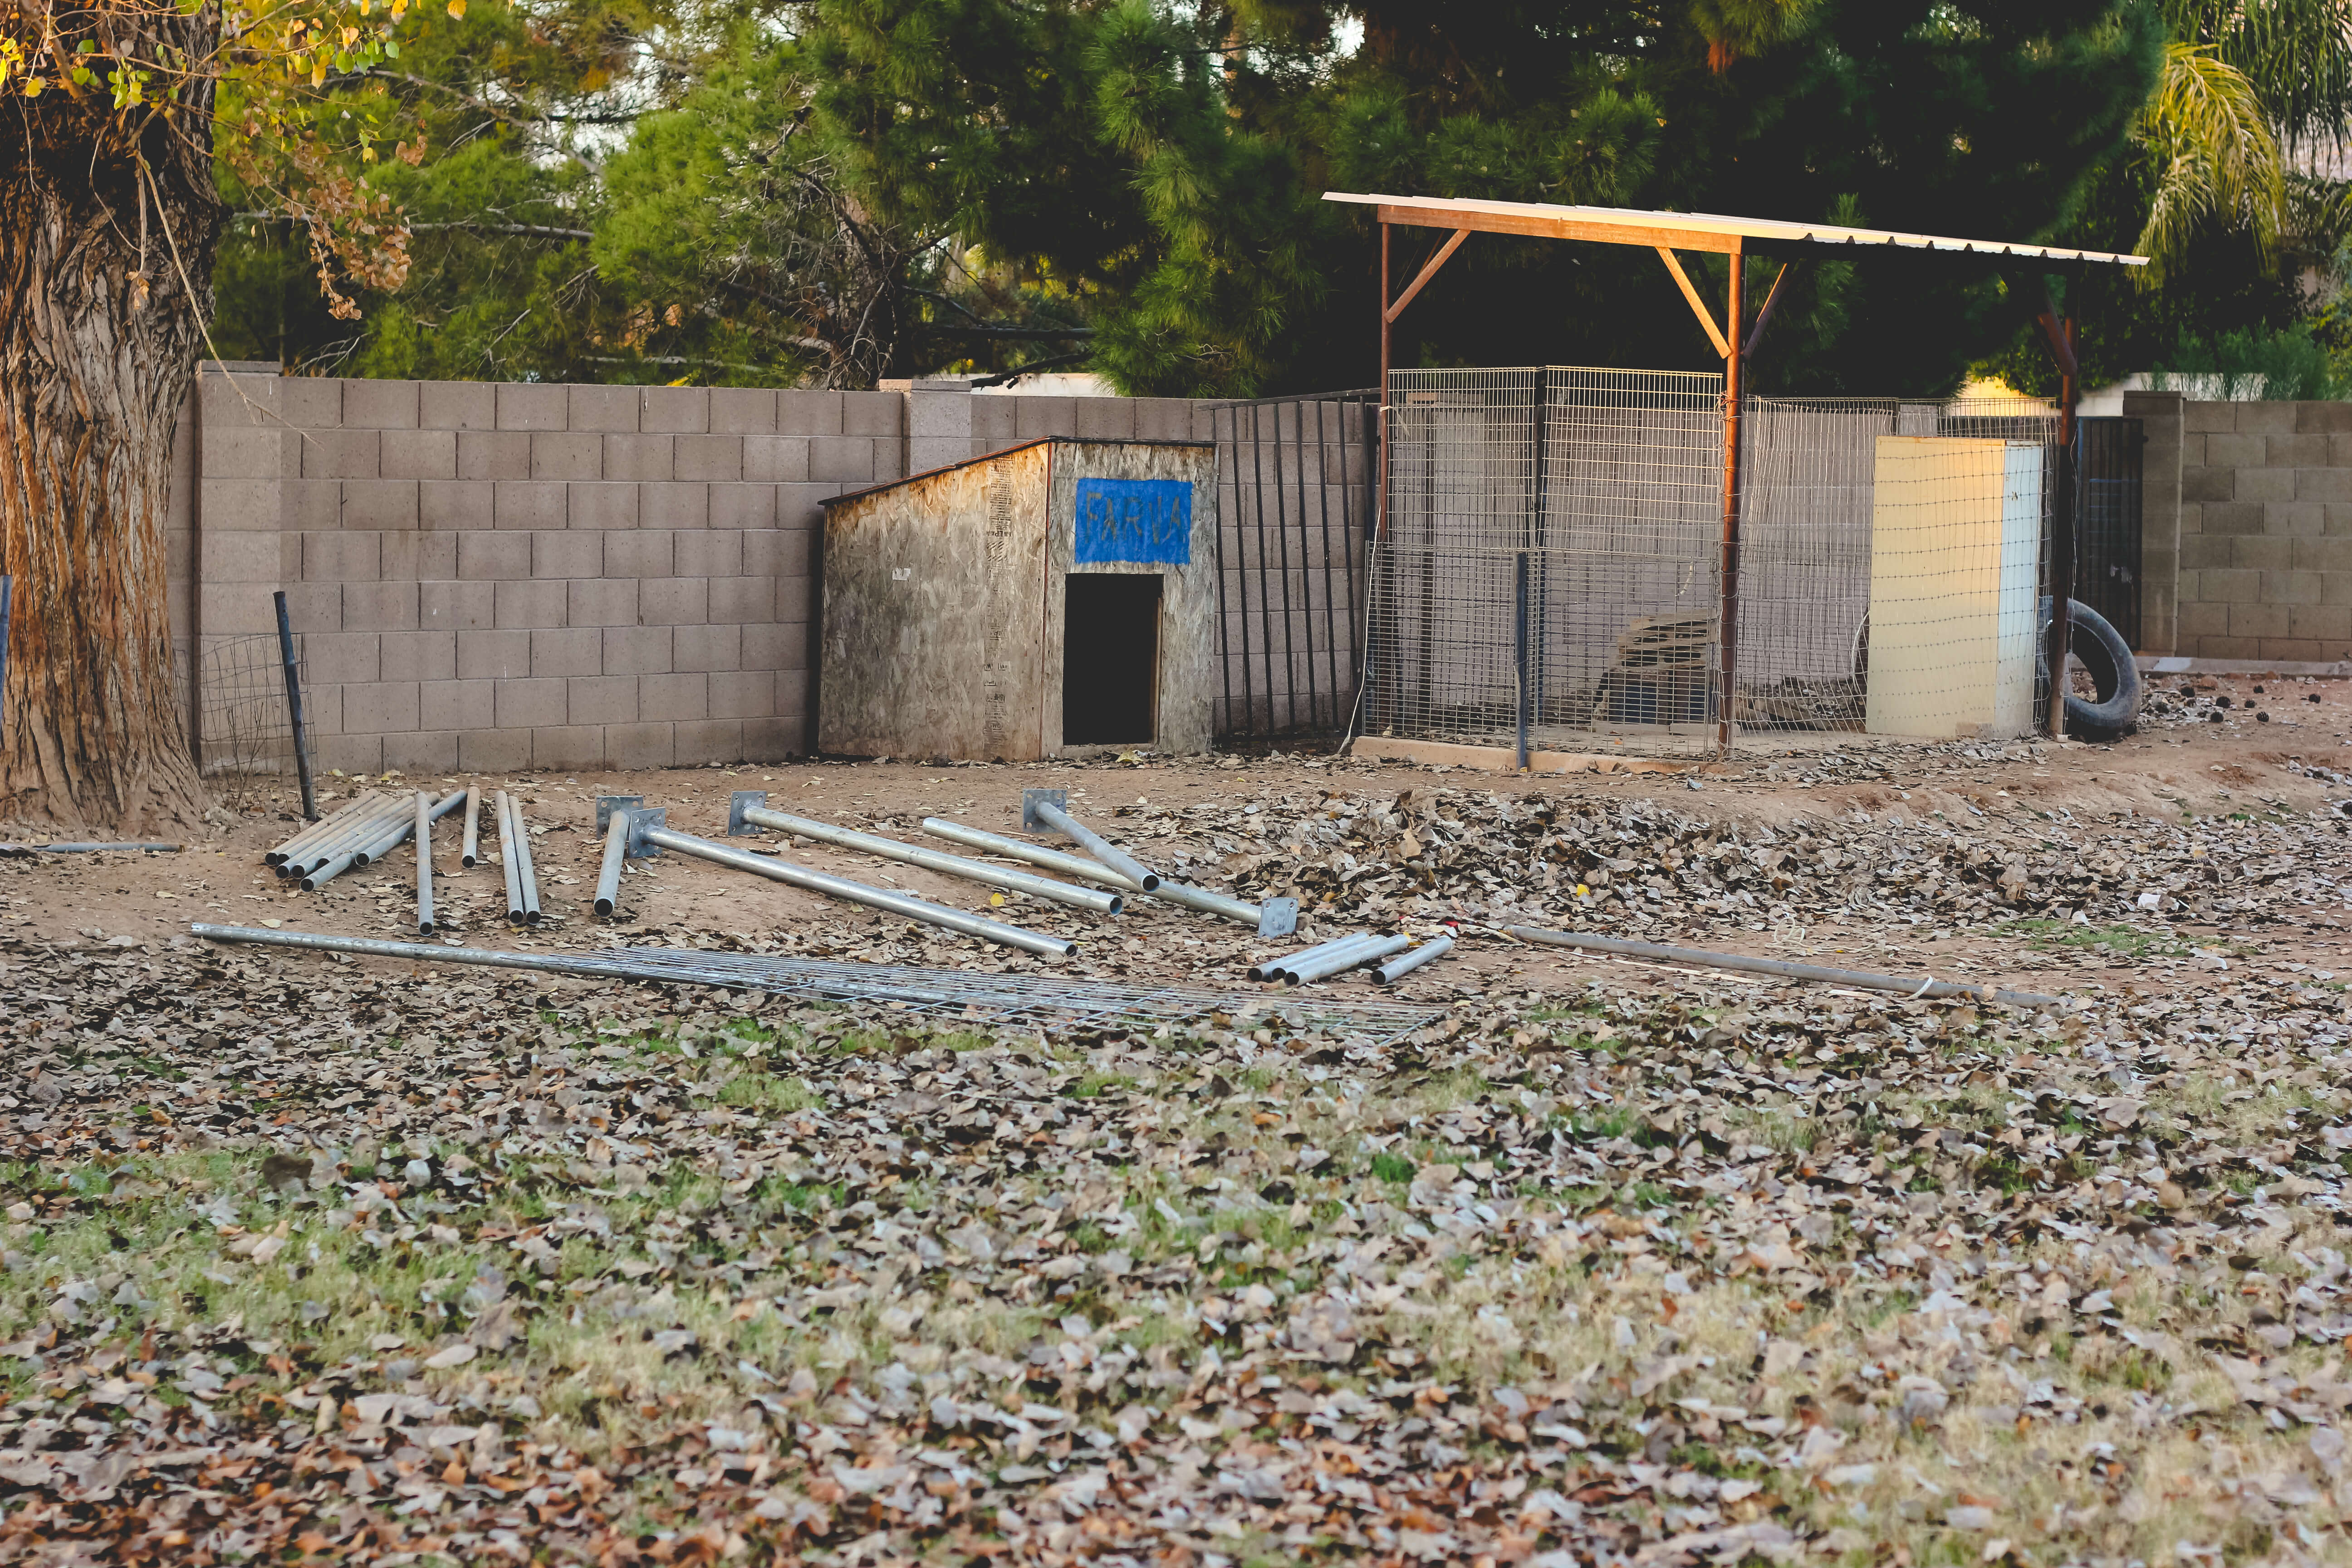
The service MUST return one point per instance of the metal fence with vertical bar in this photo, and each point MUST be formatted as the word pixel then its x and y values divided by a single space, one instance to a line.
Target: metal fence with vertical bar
pixel 2108 571
pixel 1295 510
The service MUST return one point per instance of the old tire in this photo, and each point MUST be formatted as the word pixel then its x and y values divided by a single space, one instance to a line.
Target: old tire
pixel 2104 655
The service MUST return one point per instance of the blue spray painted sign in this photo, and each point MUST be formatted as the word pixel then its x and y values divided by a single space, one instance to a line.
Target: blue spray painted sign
pixel 1135 520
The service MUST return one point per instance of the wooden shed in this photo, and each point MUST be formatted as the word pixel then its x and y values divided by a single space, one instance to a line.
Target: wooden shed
pixel 1052 596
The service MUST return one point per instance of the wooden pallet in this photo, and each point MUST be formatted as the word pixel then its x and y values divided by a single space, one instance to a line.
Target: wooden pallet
pixel 1662 672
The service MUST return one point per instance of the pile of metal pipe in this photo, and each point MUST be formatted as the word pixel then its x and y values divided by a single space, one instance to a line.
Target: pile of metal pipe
pixel 371 842
pixel 514 855
pixel 351 812
pixel 932 860
pixel 321 841
pixel 902 904
pixel 1404 963
pixel 1189 897
pixel 323 862
pixel 1330 958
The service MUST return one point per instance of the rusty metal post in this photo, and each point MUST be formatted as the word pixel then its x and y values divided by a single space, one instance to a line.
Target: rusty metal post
pixel 2061 527
pixel 293 709
pixel 1736 338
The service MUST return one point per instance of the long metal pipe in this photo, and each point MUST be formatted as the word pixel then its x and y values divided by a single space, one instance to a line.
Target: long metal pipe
pixel 507 862
pixel 833 887
pixel 932 860
pixel 81 848
pixel 313 830
pixel 1404 963
pixel 1091 871
pixel 1926 986
pixel 1272 968
pixel 526 868
pixel 394 831
pixel 300 731
pixel 472 853
pixel 616 845
pixel 424 835
pixel 1330 964
pixel 1101 849
pixel 345 833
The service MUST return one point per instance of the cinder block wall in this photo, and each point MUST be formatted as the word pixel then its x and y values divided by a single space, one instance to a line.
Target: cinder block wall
pixel 502 576
pixel 2265 531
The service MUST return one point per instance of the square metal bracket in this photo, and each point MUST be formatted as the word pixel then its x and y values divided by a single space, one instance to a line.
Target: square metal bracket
pixel 1278 917
pixel 1029 799
pixel 608 803
pixel 639 820
pixel 736 827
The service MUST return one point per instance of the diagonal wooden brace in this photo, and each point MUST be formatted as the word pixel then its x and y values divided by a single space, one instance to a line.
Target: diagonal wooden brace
pixel 1427 272
pixel 1714 332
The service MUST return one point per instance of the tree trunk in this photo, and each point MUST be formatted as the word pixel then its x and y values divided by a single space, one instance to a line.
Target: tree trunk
pixel 100 329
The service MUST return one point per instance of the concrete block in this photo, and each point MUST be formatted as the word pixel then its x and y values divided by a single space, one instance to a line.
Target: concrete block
pixel 710 552
pixel 1162 418
pixel 744 601
pixel 489 557
pixel 604 408
pixel 335 455
pixel 770 646
pixel 567 553
pixel 457 606
pixel 355 557
pixel 488 750
pixel 2322 418
pixel 604 604
pixel 718 459
pixel 768 458
pixel 380 503
pixel 2328 555
pixel 422 752
pixel 304 401
pixel 2321 623
pixel 707 647
pixel 417 455
pixel 645 458
pixel 1036 416
pixel 380 606
pixel 252 455
pixel 310 607
pixel 2339 450
pixel 636 650
pixel 2322 484
pixel 744 694
pixel 243 558
pixel 742 506
pixel 993 422
pixel 2287 649
pixel 742 411
pixel 707 741
pixel 568 454
pixel 773 739
pixel 493 455
pixel 352 753
pixel 809 413
pixel 2264 484
pixel 528 503
pixel 567 651
pixel 379 404
pixel 2266 418
pixel 637 553
pixel 873 413
pixel 606 506
pixel 800 506
pixel 645 745
pixel 673 506
pixel 529 704
pixel 533 407
pixel 452 504
pixel 1106 418
pixel 532 605
pixel 2295 517
pixel 493 655
pixel 567 748
pixel 2257 620
pixel 2339 517
pixel 2299 451
pixel 778 551
pixel 2231 517
pixel 457 406
pixel 306 506
pixel 339 658
pixel 603 698
pixel 2236 451
pixel 675 410
pixel 2203 618
pixel 290 554
pixel 2335 588
pixel 2208 484
pixel 847 458
pixel 673 601
pixel 419 656
pixel 2262 552
pixel 795 598
pixel 374 707
pixel 2290 587
pixel 2200 550
pixel 674 697
pixel 436 556
pixel 2192 451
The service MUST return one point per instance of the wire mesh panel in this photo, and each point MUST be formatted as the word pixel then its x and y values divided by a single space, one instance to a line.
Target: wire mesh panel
pixel 1294 501
pixel 2107 577
pixel 1550 554
pixel 244 733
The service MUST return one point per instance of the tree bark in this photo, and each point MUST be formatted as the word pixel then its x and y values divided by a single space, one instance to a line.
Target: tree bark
pixel 101 322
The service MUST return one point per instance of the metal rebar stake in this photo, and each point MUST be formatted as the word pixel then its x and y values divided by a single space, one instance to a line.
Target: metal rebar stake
pixel 294 709
pixel 472 850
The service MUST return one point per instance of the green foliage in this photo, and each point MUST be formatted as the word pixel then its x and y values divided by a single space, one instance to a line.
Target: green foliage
pixel 2271 365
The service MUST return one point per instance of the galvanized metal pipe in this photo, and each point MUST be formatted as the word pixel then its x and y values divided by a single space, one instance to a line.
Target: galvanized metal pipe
pixel 394 831
pixel 1272 968
pixel 424 834
pixel 1209 903
pixel 313 830
pixel 348 833
pixel 508 866
pixel 608 880
pixel 472 853
pixel 1926 986
pixel 78 849
pixel 1330 964
pixel 341 854
pixel 1101 849
pixel 932 860
pixel 1404 963
pixel 526 868
pixel 1036 854
pixel 833 887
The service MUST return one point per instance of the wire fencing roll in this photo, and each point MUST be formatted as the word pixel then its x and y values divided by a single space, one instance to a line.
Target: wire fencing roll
pixel 233 690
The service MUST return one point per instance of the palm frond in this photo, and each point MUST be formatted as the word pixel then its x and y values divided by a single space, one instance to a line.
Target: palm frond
pixel 2209 134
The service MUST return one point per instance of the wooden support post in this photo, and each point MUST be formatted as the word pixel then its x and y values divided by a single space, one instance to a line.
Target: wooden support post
pixel 1734 352
pixel 1380 403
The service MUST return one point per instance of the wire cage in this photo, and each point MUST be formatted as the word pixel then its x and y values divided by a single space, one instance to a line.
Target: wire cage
pixel 1551 562
pixel 244 733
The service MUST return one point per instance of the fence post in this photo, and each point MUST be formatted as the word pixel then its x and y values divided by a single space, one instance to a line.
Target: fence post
pixel 1520 641
pixel 294 709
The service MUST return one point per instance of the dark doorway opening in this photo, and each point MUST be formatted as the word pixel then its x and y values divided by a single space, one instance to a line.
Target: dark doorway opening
pixel 1111 659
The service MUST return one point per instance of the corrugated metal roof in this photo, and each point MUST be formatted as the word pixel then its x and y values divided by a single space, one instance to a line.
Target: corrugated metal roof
pixel 1698 231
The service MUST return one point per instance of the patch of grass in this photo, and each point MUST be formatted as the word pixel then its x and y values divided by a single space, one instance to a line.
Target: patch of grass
pixel 2130 942
pixel 1388 1167
pixel 1091 1084
pixel 768 1091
